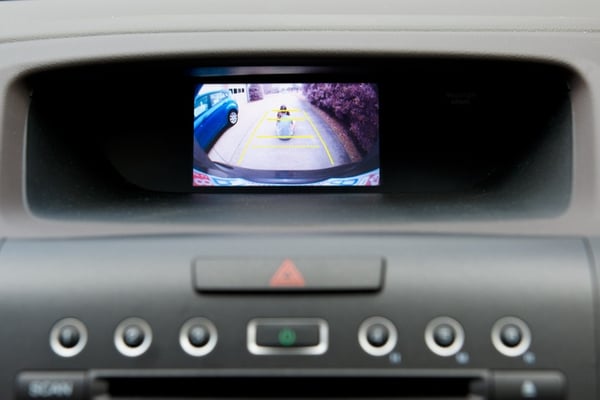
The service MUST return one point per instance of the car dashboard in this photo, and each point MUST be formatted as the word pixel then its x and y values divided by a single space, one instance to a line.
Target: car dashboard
pixel 426 225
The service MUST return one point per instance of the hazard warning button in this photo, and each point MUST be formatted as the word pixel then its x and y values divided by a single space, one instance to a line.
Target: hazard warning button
pixel 286 274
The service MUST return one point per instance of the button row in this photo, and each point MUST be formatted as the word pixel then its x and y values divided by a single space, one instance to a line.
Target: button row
pixel 133 337
pixel 445 336
pixel 377 336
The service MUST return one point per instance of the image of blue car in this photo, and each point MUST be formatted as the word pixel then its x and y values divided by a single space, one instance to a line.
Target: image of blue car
pixel 214 112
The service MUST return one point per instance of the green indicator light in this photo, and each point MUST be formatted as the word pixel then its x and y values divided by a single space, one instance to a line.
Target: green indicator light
pixel 287 337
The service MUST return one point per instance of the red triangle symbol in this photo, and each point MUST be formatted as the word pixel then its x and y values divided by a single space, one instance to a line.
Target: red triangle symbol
pixel 287 275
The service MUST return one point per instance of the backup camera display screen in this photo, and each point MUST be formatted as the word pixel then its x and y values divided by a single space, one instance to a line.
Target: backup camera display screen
pixel 286 134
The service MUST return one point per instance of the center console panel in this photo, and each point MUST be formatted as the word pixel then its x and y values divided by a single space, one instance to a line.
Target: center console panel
pixel 413 317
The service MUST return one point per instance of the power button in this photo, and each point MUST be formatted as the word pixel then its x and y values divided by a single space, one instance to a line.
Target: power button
pixel 287 335
pixel 301 336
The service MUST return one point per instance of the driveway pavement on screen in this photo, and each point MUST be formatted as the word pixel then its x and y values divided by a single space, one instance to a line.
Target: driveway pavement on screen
pixel 253 142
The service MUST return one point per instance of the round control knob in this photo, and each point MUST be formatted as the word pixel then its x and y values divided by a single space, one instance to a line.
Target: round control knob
pixel 511 336
pixel 198 337
pixel 68 337
pixel 444 336
pixel 377 336
pixel 133 337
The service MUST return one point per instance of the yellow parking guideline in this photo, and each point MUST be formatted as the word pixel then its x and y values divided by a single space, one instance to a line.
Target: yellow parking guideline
pixel 289 109
pixel 285 137
pixel 245 150
pixel 289 146
pixel 320 138
pixel 286 119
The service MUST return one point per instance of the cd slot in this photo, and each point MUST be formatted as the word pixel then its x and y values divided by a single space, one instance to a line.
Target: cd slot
pixel 297 387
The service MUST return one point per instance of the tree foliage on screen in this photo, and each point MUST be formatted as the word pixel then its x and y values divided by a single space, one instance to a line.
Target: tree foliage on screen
pixel 355 105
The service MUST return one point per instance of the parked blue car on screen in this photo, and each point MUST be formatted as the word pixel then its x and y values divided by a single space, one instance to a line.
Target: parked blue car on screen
pixel 214 112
